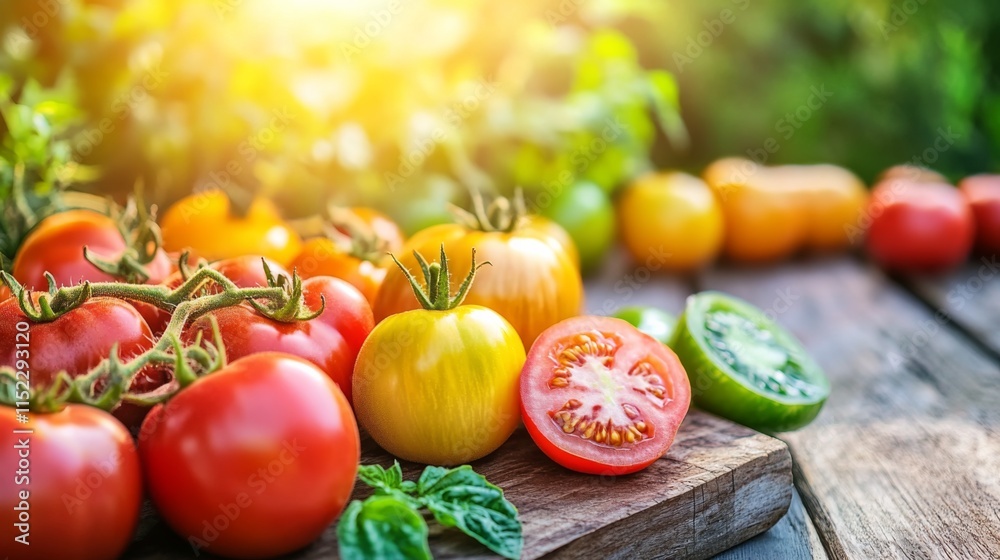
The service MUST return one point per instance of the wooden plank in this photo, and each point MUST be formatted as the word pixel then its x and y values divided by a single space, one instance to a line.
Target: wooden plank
pixel 793 538
pixel 969 297
pixel 904 460
pixel 719 485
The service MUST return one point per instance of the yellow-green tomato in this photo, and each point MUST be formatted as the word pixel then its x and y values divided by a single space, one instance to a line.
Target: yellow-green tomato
pixel 440 387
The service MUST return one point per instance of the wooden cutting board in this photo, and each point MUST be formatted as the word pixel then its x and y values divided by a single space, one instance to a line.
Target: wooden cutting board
pixel 719 485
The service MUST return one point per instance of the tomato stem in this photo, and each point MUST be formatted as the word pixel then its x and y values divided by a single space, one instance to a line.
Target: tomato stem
pixel 502 215
pixel 284 302
pixel 143 239
pixel 437 296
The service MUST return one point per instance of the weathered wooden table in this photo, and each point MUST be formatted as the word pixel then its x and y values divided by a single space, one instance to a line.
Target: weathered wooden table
pixel 904 460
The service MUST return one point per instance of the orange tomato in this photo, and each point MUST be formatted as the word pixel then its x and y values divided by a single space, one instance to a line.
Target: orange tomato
pixel 833 200
pixel 765 219
pixel 557 233
pixel 322 257
pixel 674 215
pixel 533 282
pixel 205 223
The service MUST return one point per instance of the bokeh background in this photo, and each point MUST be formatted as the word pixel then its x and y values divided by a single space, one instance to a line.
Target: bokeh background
pixel 406 104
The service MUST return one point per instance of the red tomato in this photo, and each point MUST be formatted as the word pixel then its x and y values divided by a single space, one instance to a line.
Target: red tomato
pixel 331 341
pixel 76 341
pixel 919 226
pixel 253 461
pixel 82 474
pixel 56 246
pixel 600 397
pixel 983 194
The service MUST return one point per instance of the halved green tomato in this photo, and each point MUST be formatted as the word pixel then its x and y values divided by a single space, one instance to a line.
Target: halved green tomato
pixel 745 367
pixel 650 320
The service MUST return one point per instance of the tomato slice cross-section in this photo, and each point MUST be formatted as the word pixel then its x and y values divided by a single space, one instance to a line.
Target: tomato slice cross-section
pixel 600 397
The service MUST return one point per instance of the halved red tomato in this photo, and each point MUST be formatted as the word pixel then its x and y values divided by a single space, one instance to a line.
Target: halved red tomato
pixel 600 397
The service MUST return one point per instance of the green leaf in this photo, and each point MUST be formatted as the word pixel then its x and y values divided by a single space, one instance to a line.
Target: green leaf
pixel 382 479
pixel 464 499
pixel 382 527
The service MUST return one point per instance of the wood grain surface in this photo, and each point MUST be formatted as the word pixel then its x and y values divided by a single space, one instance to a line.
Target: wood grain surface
pixel 904 460
pixel 968 297
pixel 719 485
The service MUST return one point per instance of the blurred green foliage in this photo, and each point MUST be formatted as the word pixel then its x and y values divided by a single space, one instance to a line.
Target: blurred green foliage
pixel 902 75
pixel 406 105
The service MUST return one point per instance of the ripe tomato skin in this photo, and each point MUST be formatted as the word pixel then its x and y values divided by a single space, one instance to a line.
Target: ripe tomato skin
pixel 765 221
pixel 919 226
pixel 833 199
pixel 85 484
pixel 265 450
pixel 672 213
pixel 983 194
pixel 76 341
pixel 56 246
pixel 440 387
pixel 557 234
pixel 532 282
pixel 322 257
pixel 540 399
pixel 331 341
pixel 204 223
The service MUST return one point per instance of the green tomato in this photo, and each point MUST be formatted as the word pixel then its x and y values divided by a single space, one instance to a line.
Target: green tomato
pixel 650 320
pixel 585 212
pixel 745 367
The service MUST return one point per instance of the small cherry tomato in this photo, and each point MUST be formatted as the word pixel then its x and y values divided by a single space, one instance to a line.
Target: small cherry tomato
pixel 672 217
pixel 253 461
pixel 600 397
pixel 983 194
pixel 919 226
pixel 205 223
pixel 74 482
pixel 331 341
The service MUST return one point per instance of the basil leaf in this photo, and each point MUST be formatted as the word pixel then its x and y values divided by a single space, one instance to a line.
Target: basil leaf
pixel 464 499
pixel 382 480
pixel 382 527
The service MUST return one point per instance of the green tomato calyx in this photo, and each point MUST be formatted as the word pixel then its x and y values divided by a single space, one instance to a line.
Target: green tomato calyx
pixel 503 215
pixel 437 277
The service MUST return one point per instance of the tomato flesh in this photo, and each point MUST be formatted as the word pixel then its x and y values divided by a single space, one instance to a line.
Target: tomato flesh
pixel 600 397
pixel 749 369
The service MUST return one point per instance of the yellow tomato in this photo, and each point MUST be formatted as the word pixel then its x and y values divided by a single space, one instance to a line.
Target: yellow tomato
pixel 673 218
pixel 558 234
pixel 440 387
pixel 533 282
pixel 205 223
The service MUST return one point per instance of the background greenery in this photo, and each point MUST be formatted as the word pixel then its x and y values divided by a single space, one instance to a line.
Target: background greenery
pixel 405 104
